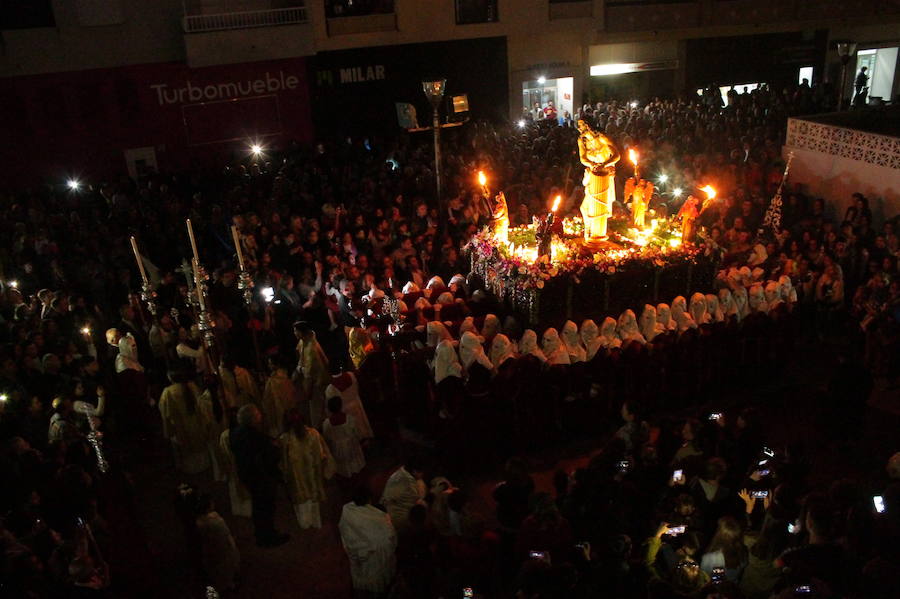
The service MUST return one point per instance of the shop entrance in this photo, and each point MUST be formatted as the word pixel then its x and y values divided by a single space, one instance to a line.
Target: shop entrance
pixel 539 93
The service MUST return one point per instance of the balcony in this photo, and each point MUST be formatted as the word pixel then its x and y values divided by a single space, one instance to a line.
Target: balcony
pixel 244 20
pixel 246 36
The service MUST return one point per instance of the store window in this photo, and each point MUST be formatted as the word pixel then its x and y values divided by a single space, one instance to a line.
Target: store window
pixel 469 12
pixel 542 98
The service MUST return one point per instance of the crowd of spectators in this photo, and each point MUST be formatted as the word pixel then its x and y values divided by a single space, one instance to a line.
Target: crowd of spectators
pixel 336 230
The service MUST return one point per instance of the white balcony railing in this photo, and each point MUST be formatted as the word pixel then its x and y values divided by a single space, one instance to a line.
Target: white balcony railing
pixel 244 20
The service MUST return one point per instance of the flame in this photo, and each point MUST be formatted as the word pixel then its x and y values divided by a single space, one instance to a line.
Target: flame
pixel 633 156
pixel 710 191
pixel 482 180
pixel 556 204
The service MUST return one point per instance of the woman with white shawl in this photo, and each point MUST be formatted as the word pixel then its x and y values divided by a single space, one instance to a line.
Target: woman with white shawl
pixel 572 342
pixel 490 327
pixel 741 303
pixel 553 348
pixel 467 326
pixel 528 346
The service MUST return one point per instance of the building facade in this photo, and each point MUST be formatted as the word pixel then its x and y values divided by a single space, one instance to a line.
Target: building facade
pixel 166 83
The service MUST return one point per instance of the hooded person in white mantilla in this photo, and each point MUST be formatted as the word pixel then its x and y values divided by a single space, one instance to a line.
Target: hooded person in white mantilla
pixel 501 350
pixel 572 342
pixel 471 351
pixel 680 315
pixel 756 298
pixel 553 348
pixel 608 337
pixel 649 325
pixel 528 346
pixel 664 317
pixel 726 303
pixel 698 308
pixel 435 332
pixel 446 362
pixel 590 338
pixel 713 308
pixel 627 328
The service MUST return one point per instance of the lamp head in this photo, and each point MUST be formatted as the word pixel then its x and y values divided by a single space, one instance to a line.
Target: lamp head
pixel 434 90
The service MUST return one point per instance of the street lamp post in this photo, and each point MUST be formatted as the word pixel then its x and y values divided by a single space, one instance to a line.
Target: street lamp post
pixel 845 51
pixel 434 91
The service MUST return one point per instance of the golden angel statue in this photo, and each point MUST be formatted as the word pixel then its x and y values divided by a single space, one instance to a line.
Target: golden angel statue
pixel 500 218
pixel 640 192
pixel 599 156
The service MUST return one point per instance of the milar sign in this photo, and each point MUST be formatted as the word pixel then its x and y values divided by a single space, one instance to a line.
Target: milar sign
pixel 352 75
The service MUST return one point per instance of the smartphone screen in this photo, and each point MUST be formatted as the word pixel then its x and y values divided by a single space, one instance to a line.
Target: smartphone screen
pixel 878 500
pixel 537 554
pixel 678 475
pixel 803 589
pixel 759 494
pixel 792 528
pixel 768 452
pixel 677 530
pixel 468 593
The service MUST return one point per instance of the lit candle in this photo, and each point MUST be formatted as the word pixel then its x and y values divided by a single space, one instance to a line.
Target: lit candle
pixel 140 262
pixel 198 286
pixel 556 203
pixel 193 241
pixel 633 157
pixel 710 192
pixel 482 180
pixel 237 246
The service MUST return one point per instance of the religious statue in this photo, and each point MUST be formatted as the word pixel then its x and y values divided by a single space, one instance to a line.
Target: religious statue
pixel 500 219
pixel 688 213
pixel 599 156
pixel 639 192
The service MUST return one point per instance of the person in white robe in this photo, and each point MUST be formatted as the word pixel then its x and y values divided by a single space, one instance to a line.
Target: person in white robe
pixel 346 387
pixel 370 540
pixel 404 489
pixel 343 437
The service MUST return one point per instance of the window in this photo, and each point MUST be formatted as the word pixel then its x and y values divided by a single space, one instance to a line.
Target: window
pixel 476 11
pixel 805 73
pixel 356 8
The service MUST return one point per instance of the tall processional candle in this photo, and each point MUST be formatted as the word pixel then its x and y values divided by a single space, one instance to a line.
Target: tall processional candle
pixel 140 261
pixel 237 246
pixel 193 241
pixel 198 285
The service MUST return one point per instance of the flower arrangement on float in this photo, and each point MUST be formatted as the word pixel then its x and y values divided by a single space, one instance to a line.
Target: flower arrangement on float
pixel 518 263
